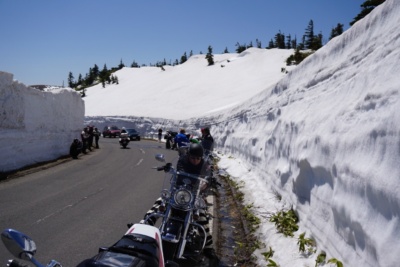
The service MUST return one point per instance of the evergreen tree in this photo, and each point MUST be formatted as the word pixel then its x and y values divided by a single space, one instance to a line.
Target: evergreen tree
pixel 279 40
pixel 183 58
pixel 309 35
pixel 121 65
pixel 288 42
pixel 367 7
pixel 95 71
pixel 71 82
pixel 338 30
pixel 80 81
pixel 271 44
pixel 209 56
pixel 258 43
pixel 294 43
pixel 226 50
pixel 240 48
pixel 191 53
pixel 134 65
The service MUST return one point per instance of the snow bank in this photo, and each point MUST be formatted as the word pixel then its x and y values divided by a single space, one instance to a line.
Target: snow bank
pixel 330 144
pixel 36 126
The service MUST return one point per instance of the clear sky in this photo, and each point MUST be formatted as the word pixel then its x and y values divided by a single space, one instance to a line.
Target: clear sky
pixel 42 41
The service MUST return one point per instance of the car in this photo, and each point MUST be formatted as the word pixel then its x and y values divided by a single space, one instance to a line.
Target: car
pixel 133 134
pixel 111 131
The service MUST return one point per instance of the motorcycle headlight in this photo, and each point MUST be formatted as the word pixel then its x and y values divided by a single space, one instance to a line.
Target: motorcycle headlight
pixel 183 197
pixel 200 203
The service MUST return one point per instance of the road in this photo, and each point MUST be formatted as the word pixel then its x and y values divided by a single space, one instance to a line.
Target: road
pixel 72 209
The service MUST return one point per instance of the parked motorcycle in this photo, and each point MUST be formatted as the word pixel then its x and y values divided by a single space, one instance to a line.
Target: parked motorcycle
pixel 124 140
pixel 182 204
pixel 140 246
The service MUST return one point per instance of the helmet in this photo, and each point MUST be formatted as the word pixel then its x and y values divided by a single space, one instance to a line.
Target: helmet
pixel 196 150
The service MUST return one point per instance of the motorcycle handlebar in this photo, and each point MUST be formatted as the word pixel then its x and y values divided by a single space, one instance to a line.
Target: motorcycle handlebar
pixel 169 168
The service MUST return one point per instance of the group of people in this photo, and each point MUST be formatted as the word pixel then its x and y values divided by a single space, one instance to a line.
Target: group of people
pixel 90 136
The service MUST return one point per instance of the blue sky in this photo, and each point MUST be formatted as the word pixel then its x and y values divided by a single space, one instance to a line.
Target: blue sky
pixel 43 40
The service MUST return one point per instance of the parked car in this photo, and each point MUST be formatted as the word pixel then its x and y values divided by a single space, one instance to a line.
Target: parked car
pixel 111 131
pixel 133 134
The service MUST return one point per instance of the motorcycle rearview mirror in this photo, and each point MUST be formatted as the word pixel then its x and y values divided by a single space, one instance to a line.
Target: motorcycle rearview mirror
pixel 160 157
pixel 19 244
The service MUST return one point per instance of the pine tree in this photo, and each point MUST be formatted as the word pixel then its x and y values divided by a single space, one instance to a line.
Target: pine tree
pixel 367 7
pixel 71 82
pixel 240 48
pixel 279 40
pixel 338 30
pixel 288 42
pixel 134 65
pixel 121 65
pixel 209 56
pixel 309 35
pixel 226 50
pixel 271 44
pixel 183 58
pixel 258 42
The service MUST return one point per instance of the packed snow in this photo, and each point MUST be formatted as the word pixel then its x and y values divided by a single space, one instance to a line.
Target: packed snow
pixel 36 126
pixel 323 138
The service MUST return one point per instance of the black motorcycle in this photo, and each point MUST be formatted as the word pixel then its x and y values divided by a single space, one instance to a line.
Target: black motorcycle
pixel 182 205
pixel 140 246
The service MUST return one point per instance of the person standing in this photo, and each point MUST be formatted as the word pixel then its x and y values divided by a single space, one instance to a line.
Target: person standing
pixel 96 135
pixel 159 135
pixel 207 141
pixel 85 138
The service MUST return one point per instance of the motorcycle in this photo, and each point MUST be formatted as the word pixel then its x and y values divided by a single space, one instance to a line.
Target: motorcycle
pixel 169 140
pixel 124 140
pixel 140 246
pixel 181 207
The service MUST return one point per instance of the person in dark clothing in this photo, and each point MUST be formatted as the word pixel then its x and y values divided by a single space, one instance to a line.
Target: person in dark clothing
pixel 75 149
pixel 192 163
pixel 159 135
pixel 207 141
pixel 96 135
pixel 91 136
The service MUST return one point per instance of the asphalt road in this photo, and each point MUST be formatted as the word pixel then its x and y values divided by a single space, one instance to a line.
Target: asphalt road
pixel 72 209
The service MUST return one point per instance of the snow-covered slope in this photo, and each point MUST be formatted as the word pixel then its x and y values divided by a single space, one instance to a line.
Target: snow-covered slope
pixel 189 90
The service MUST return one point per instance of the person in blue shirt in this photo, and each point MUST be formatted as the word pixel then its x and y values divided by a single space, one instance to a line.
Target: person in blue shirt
pixel 181 140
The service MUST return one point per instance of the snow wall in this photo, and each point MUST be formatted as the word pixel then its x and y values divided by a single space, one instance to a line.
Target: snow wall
pixel 36 126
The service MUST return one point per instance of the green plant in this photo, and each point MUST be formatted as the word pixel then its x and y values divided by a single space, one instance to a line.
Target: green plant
pixel 320 258
pixel 253 220
pixel 268 254
pixel 285 222
pixel 304 242
pixel 271 263
pixel 335 261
